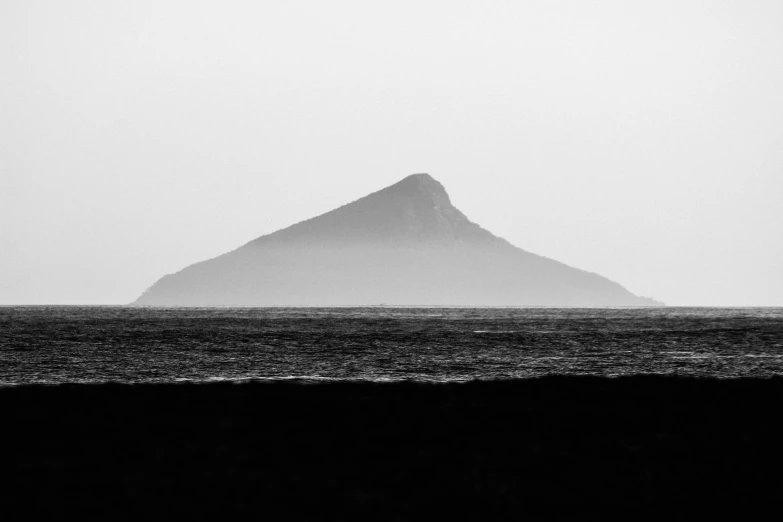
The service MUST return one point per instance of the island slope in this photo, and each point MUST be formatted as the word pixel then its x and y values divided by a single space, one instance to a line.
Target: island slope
pixel 403 245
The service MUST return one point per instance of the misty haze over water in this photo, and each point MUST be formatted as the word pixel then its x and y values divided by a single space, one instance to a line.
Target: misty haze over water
pixel 636 140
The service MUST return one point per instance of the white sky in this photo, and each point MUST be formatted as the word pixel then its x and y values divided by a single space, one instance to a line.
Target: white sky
pixel 639 140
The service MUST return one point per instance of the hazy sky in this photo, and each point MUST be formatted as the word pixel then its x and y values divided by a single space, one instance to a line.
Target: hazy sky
pixel 639 140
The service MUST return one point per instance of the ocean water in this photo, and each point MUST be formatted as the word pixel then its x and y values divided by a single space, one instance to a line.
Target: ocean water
pixel 135 345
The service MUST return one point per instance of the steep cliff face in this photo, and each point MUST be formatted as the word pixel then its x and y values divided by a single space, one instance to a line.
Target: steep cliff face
pixel 406 244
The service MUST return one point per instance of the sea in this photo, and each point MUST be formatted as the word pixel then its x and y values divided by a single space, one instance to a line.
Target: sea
pixel 78 344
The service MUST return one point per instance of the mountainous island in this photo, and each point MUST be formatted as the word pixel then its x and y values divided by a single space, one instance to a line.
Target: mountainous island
pixel 403 245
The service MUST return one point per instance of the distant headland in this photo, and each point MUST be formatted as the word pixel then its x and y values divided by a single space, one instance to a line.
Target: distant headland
pixel 403 245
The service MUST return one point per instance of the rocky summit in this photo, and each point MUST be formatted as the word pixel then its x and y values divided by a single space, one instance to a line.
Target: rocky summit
pixel 403 245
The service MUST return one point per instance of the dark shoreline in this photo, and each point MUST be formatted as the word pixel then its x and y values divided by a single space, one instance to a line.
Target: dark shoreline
pixel 392 451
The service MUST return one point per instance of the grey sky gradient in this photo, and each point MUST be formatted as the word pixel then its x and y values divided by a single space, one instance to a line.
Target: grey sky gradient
pixel 639 140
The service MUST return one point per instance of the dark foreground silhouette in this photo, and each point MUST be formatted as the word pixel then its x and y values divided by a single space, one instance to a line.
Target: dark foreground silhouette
pixel 481 450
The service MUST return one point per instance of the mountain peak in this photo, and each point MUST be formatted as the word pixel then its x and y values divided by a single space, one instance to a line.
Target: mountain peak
pixel 419 178
pixel 416 208
pixel 422 180
pixel 421 186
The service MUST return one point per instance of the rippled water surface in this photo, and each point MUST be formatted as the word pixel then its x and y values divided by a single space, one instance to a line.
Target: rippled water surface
pixel 98 344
